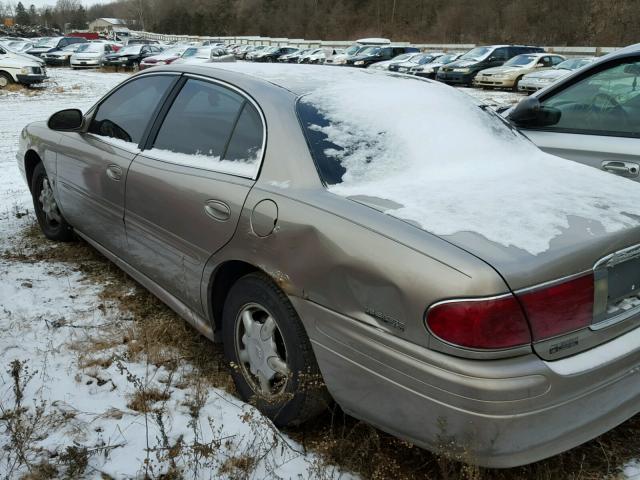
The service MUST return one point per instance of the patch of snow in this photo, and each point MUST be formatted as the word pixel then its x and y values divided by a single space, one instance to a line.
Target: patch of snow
pixel 454 167
pixel 631 470
pixel 242 167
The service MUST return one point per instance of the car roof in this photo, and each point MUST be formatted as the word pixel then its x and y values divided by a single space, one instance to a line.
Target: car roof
pixel 298 79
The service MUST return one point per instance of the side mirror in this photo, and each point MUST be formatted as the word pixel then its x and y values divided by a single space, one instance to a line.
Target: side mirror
pixel 69 120
pixel 530 113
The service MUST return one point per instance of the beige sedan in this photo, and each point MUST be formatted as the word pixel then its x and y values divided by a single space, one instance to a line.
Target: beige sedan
pixel 509 74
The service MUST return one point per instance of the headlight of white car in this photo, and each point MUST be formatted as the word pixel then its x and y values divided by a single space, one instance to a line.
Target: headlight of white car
pixel 340 61
pixel 25 71
pixel 359 62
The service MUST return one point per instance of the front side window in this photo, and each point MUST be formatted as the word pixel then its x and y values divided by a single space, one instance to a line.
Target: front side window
pixel 125 114
pixel 210 126
pixel 607 102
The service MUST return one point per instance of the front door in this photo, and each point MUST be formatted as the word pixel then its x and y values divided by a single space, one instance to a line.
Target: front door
pixel 185 193
pixel 600 120
pixel 92 167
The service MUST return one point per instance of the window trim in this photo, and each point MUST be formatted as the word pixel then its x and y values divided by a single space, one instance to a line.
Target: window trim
pixel 569 82
pixel 152 134
pixel 135 148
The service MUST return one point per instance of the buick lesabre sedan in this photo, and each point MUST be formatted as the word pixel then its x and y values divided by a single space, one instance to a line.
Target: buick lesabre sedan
pixel 314 220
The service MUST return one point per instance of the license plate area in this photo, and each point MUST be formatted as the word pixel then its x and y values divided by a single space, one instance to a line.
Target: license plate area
pixel 616 288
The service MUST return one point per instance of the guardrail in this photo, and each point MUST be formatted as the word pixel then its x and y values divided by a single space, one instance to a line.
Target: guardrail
pixel 302 43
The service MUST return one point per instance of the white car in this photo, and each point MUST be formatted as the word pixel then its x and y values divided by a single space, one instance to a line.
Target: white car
pixel 206 55
pixel 62 56
pixel 90 55
pixel 16 68
pixel 534 81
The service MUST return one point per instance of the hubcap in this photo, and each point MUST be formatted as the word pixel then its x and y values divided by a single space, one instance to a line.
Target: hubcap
pixel 261 350
pixel 48 203
pixel 3 81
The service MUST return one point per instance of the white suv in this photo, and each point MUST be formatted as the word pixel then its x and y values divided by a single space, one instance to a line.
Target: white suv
pixel 16 68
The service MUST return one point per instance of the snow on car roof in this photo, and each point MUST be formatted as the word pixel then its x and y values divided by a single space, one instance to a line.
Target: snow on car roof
pixel 449 165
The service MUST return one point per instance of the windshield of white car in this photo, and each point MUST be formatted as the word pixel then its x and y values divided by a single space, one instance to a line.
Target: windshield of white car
pixel 404 57
pixel 572 64
pixel 448 58
pixel 478 53
pixel 47 42
pixel 422 59
pixel 521 61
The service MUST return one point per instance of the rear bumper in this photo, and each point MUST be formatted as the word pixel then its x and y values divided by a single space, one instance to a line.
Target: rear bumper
pixel 498 413
pixel 85 63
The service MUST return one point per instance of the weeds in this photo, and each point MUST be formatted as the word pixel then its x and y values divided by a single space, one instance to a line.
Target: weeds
pixel 144 330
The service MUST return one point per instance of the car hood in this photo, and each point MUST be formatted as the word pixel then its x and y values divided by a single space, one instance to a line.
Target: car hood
pixel 87 56
pixel 15 60
pixel 552 73
pixel 533 216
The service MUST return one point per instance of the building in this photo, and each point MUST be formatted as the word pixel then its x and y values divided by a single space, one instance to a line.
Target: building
pixel 108 25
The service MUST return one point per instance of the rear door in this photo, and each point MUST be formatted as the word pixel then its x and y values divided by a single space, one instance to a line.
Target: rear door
pixel 92 167
pixel 600 119
pixel 186 190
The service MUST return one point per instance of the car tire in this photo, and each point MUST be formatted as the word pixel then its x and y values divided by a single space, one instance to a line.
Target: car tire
pixel 5 80
pixel 516 82
pixel 50 219
pixel 293 393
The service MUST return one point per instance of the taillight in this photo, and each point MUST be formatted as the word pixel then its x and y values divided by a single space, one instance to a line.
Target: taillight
pixel 500 322
pixel 484 323
pixel 559 308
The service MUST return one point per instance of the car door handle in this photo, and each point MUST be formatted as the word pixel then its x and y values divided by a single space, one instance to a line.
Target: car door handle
pixel 627 169
pixel 114 172
pixel 217 210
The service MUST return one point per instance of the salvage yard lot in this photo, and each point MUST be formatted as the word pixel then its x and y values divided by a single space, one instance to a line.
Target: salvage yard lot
pixel 97 377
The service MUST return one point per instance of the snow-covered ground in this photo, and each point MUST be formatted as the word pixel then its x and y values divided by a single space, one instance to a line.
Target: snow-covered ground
pixel 73 402
pixel 79 395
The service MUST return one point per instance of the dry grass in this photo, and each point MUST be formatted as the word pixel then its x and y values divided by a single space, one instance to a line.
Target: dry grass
pixel 150 330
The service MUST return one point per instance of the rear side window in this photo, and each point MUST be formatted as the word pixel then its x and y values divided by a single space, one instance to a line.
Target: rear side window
pixel 125 114
pixel 328 165
pixel 210 126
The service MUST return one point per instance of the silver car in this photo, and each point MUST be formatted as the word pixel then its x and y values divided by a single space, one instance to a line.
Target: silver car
pixel 591 116
pixel 484 299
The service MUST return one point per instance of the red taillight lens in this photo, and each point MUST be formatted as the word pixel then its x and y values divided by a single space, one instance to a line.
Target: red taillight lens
pixel 480 323
pixel 560 308
pixel 171 60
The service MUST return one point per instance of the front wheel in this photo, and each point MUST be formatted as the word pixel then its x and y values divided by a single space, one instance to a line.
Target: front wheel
pixel 516 83
pixel 5 79
pixel 272 362
pixel 51 221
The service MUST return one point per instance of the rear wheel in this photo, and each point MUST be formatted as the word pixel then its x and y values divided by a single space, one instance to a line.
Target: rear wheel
pixel 272 362
pixel 51 221
pixel 5 79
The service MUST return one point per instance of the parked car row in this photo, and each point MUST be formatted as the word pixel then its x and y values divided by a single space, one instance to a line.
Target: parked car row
pixel 518 67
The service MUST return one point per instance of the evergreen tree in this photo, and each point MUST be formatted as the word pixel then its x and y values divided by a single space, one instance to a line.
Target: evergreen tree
pixel 33 15
pixel 22 17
